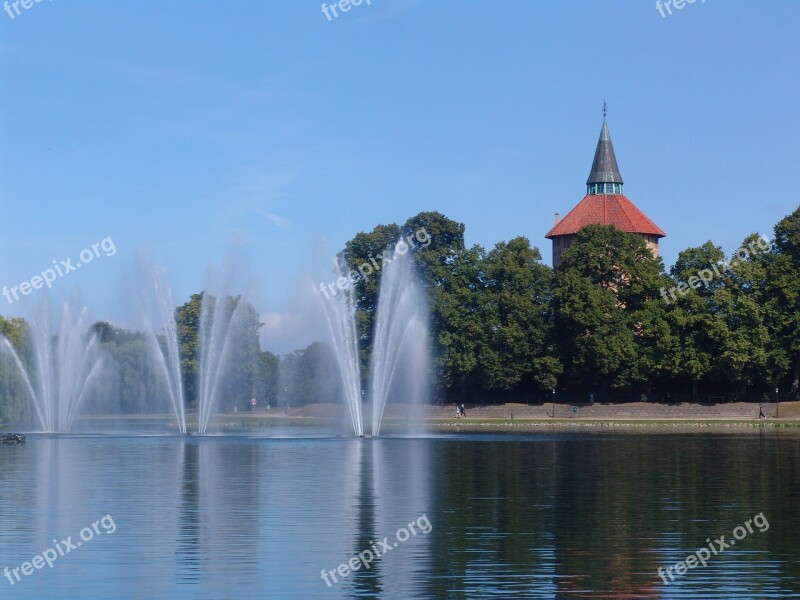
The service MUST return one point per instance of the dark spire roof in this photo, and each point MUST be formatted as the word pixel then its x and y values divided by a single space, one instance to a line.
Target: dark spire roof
pixel 604 167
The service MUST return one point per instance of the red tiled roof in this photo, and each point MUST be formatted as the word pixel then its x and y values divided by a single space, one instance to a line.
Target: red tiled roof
pixel 606 209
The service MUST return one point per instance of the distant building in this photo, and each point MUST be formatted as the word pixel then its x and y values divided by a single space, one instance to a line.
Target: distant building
pixel 604 204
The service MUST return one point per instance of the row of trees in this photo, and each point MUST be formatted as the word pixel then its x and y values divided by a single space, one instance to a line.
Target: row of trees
pixel 505 326
pixel 298 378
pixel 133 381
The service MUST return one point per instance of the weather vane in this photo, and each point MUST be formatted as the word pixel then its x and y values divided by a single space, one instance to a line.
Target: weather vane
pixel 605 109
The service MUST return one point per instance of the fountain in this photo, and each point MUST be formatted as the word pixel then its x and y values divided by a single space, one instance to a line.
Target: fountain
pixel 60 370
pixel 220 321
pixel 218 324
pixel 400 326
pixel 340 316
pixel 400 333
pixel 166 352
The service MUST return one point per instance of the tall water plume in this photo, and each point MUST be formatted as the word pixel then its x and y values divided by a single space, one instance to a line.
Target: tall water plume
pixel 401 336
pixel 339 312
pixel 58 370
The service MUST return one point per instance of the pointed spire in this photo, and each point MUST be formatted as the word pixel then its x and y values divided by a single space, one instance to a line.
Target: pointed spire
pixel 604 168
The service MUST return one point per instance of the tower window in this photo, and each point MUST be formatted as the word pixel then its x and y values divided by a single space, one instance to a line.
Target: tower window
pixel 594 189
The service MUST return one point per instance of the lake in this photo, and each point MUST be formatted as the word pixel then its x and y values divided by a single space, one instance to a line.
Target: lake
pixel 538 515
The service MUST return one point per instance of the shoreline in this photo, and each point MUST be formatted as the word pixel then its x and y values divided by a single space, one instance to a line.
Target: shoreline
pixel 498 418
pixel 671 424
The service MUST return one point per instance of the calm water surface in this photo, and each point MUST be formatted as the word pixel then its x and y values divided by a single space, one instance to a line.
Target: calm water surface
pixel 511 516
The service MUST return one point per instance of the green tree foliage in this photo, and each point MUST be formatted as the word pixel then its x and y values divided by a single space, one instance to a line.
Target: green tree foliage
pixel 457 322
pixel 605 291
pixel 503 325
pixel 695 317
pixel 369 252
pixel 310 376
pixel 450 276
pixel 490 313
pixel 267 378
pixel 783 294
pixel 244 361
pixel 15 403
pixel 516 319
pixel 187 320
pixel 132 382
pixel 745 354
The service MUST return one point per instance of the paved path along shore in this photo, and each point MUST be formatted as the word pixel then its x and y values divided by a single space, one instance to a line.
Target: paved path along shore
pixel 628 411
pixel 635 411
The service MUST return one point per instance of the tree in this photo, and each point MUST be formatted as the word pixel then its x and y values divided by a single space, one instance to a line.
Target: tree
pixel 267 378
pixel 310 376
pixel 437 247
pixel 745 346
pixel 457 328
pixel 241 366
pixel 132 382
pixel 604 295
pixel 695 318
pixel 516 318
pixel 15 404
pixel 368 252
pixel 783 281
pixel 187 320
pixel 450 276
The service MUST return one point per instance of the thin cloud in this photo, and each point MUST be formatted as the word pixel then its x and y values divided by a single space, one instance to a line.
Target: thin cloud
pixel 281 222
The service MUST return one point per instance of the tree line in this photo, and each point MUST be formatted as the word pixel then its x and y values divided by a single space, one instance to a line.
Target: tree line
pixel 610 322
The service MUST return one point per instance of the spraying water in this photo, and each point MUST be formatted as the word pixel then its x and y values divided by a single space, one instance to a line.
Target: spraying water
pixel 164 347
pixel 400 339
pixel 62 369
pixel 220 323
pixel 8 349
pixel 400 333
pixel 340 316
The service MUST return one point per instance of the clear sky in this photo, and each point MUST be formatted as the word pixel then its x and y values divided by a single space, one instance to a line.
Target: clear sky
pixel 181 128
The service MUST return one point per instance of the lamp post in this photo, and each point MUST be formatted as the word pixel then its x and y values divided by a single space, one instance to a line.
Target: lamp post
pixel 776 402
pixel 553 415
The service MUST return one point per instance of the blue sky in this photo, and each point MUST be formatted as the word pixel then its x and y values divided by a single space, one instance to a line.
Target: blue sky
pixel 183 128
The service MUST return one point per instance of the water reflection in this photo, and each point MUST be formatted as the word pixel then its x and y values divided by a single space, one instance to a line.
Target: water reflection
pixel 544 516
